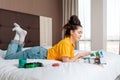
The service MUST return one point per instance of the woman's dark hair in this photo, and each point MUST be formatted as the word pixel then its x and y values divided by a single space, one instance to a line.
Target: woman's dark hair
pixel 72 24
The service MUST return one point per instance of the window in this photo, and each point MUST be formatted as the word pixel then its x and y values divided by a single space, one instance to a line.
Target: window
pixel 113 25
pixel 84 16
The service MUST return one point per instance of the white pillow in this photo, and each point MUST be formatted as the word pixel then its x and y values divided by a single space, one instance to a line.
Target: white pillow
pixel 2 54
pixel 47 47
pixel 25 48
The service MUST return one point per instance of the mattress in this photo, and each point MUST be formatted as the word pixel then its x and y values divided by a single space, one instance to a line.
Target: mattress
pixel 65 71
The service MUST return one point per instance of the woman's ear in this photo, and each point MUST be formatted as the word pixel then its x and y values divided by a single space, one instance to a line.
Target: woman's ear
pixel 71 32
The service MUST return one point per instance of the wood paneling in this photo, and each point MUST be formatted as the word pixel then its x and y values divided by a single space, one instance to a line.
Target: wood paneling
pixel 27 21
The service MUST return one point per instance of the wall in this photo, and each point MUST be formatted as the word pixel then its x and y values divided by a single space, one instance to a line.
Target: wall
pixel 50 8
pixel 98 24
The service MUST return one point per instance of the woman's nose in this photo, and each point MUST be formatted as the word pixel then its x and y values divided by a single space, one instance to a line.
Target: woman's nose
pixel 80 35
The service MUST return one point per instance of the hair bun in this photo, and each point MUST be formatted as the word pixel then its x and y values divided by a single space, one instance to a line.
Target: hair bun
pixel 74 20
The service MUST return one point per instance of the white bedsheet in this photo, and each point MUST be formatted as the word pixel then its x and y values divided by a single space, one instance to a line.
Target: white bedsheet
pixel 66 71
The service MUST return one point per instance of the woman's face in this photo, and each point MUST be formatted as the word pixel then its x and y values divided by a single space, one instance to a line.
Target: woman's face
pixel 76 34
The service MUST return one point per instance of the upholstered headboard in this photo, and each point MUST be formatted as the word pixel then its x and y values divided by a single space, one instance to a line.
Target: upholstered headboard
pixel 27 21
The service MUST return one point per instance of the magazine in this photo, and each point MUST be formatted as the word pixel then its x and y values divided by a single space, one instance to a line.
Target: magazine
pixel 96 57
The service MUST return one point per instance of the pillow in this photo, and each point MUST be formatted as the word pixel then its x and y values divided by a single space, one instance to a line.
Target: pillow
pixel 47 47
pixel 2 54
pixel 25 48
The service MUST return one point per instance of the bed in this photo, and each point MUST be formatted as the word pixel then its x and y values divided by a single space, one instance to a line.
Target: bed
pixel 65 71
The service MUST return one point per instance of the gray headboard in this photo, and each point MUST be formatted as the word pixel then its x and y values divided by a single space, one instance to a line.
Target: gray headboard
pixel 27 21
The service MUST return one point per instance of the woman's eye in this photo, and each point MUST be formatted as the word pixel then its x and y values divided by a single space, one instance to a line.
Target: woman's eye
pixel 80 32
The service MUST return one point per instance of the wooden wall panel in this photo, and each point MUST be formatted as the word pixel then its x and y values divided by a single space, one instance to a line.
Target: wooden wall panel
pixel 27 21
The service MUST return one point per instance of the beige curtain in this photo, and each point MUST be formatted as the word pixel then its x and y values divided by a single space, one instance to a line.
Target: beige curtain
pixel 70 7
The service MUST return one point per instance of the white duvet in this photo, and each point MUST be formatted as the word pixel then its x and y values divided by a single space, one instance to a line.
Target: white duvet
pixel 66 71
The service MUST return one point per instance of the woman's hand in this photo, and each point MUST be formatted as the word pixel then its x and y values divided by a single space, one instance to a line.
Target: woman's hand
pixel 81 55
pixel 76 57
pixel 67 59
pixel 85 54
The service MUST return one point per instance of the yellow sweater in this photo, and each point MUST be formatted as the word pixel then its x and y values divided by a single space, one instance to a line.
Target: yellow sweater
pixel 63 49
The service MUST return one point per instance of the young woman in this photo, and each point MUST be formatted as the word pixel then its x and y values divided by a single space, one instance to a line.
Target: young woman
pixel 62 51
